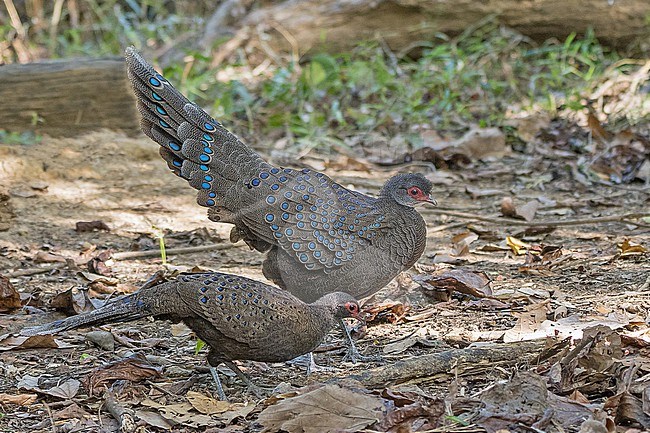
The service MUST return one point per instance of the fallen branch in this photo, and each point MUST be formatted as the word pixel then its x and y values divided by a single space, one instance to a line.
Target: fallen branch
pixel 34 271
pixel 445 362
pixel 122 415
pixel 129 255
pixel 623 218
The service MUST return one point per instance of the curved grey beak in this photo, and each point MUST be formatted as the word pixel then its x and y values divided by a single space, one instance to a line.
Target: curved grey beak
pixel 432 200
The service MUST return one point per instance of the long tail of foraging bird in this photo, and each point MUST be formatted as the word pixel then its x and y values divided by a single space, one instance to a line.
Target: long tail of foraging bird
pixel 150 301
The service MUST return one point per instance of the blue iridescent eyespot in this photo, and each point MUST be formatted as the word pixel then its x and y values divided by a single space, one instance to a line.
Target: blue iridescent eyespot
pixel 311 245
pixel 269 217
pixel 288 194
pixel 313 224
pixel 208 137
pixel 283 179
pixel 300 224
pixel 156 96
pixel 154 82
pixel 174 146
pixel 311 189
pixel 317 254
pixel 212 194
pixel 285 216
pixel 161 110
pixel 275 187
pixel 255 182
pixel 295 245
pixel 209 202
pixel 208 178
pixel 203 167
pixel 203 289
pixel 208 126
pixel 339 254
pixel 275 170
pixel 337 261
pixel 305 197
pixel 207 150
pixel 289 231
pixel 303 257
pixel 270 199
pixel 163 124
pixel 204 158
pixel 177 163
pixel 299 216
pixel 274 227
pixel 264 175
pixel 287 170
pixel 204 299
pixel 299 207
pixel 284 205
pixel 277 235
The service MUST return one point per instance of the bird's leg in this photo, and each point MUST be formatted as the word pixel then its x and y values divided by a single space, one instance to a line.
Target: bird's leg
pixel 217 381
pixel 353 354
pixel 251 386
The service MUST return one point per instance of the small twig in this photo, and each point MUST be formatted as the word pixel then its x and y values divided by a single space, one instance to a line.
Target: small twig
pixel 35 271
pixel 444 227
pixel 623 218
pixel 129 255
pixel 645 285
pixel 122 415
pixel 49 414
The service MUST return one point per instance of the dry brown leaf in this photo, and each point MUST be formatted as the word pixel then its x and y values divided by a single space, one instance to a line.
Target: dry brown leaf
pixel 528 322
pixel 326 409
pixel 134 369
pixel 517 246
pixel 385 312
pixel 47 257
pixel 73 301
pixel 19 399
pixel 239 411
pixel 478 193
pixel 526 211
pixel 461 243
pixel 630 248
pixel 206 404
pixel 181 413
pixel 456 280
pixel 153 419
pixel 91 226
pixel 9 297
pixel 524 400
pixel 66 390
pixel 7 342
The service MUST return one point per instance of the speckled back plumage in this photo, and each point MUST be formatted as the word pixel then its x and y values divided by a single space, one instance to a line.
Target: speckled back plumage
pixel 321 237
pixel 239 318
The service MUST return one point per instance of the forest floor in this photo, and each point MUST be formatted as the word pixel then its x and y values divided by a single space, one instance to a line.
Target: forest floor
pixel 540 328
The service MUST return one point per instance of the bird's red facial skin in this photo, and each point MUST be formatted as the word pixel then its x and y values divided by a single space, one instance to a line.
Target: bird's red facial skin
pixel 352 308
pixel 417 194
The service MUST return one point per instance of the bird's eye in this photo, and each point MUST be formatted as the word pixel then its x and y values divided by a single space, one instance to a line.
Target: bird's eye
pixel 352 307
pixel 414 191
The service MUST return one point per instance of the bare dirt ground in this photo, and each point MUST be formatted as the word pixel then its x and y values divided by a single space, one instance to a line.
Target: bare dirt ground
pixel 597 276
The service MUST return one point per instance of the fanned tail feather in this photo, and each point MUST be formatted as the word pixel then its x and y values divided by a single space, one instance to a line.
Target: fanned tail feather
pixel 194 145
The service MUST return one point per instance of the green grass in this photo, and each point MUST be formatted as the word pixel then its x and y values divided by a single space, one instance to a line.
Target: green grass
pixel 473 79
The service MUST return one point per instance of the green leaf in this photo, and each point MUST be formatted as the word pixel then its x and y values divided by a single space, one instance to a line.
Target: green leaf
pixel 200 344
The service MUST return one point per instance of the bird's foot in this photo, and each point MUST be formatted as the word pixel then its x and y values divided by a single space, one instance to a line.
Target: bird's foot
pixel 307 361
pixel 353 355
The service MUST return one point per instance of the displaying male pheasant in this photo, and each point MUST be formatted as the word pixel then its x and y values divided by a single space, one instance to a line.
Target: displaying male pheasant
pixel 319 236
pixel 239 318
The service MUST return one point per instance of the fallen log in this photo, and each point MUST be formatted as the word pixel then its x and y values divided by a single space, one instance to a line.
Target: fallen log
pixel 450 361
pixel 67 97
pixel 303 25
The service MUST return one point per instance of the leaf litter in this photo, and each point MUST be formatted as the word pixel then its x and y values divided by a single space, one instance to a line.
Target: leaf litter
pixel 575 288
